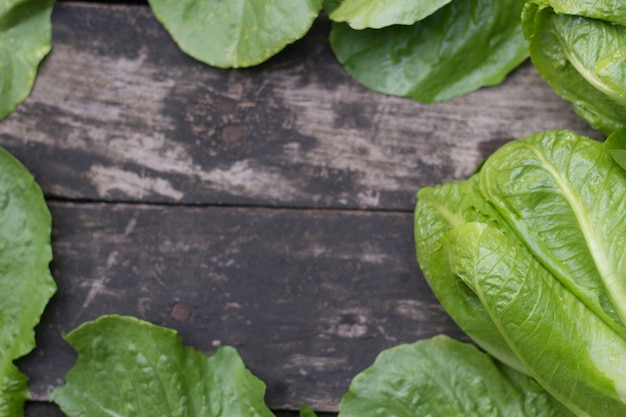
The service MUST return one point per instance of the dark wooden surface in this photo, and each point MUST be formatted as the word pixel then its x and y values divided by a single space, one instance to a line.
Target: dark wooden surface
pixel 267 208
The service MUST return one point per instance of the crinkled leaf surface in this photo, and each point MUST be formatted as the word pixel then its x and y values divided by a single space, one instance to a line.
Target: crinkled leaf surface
pixel 566 199
pixel 547 270
pixel 25 39
pixel 616 145
pixel 439 209
pixel 571 352
pixel 127 367
pixel 25 281
pixel 463 46
pixel 613 11
pixel 235 33
pixel 583 60
pixel 376 14
pixel 443 377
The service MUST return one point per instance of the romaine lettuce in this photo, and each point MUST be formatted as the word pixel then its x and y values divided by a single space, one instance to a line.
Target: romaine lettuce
pixel 529 257
pixel 579 47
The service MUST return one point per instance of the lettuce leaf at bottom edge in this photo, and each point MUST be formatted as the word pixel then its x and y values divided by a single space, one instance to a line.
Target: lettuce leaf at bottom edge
pixel 125 364
pixel 442 376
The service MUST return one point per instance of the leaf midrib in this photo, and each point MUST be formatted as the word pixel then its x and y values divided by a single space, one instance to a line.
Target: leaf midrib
pixel 597 249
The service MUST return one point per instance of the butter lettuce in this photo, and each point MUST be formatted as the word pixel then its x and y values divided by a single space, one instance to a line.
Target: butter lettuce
pixel 128 367
pixel 529 257
pixel 461 47
pixel 25 39
pixel 235 33
pixel 26 284
pixel 444 377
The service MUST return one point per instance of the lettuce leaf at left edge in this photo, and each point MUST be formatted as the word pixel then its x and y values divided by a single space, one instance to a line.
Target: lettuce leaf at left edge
pixel 25 39
pixel 128 367
pixel 26 284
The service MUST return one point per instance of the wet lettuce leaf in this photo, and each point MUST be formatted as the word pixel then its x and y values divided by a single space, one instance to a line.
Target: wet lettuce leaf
pixel 235 33
pixel 25 39
pixel 128 367
pixel 461 47
pixel 532 249
pixel 444 377
pixel 374 14
pixel 26 284
pixel 582 58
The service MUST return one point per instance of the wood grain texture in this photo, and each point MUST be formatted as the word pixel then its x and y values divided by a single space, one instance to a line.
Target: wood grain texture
pixel 268 208
pixel 308 297
pixel 119 113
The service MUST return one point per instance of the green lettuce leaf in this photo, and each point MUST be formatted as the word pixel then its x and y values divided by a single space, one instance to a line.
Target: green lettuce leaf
pixel 583 60
pixel 616 145
pixel 25 280
pixel 235 33
pixel 610 10
pixel 566 199
pixel 573 354
pixel 438 211
pixel 463 46
pixel 128 367
pixel 362 14
pixel 545 274
pixel 443 377
pixel 25 39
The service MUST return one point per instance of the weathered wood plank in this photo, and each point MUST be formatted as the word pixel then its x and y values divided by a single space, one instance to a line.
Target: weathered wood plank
pixel 119 113
pixel 308 297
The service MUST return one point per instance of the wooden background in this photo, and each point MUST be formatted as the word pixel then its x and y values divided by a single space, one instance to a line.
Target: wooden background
pixel 268 208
